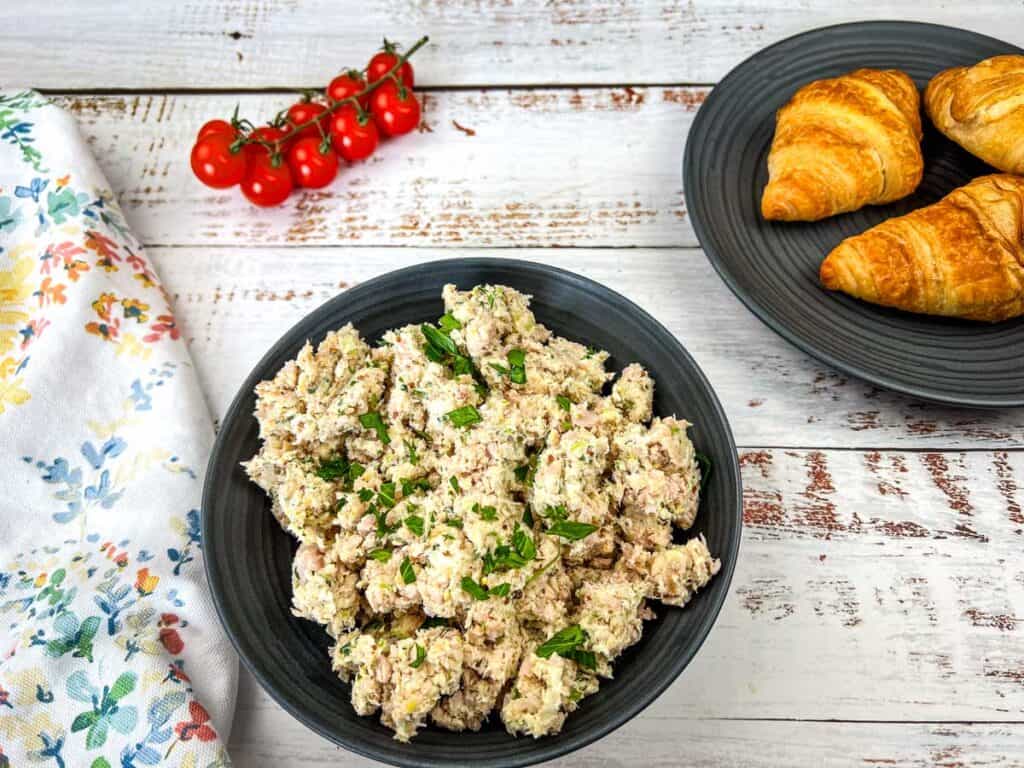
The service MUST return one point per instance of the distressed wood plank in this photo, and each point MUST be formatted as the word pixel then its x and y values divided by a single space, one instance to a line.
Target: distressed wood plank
pixel 261 43
pixel 267 735
pixel 872 586
pixel 543 168
pixel 235 302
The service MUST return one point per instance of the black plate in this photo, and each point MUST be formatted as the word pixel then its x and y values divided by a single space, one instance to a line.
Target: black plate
pixel 773 266
pixel 248 556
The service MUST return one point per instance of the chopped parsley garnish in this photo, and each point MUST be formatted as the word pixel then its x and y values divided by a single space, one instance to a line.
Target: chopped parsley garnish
pixel 505 558
pixel 705 465
pixel 454 522
pixel 408 574
pixel 564 403
pixel 454 482
pixel 365 494
pixel 442 350
pixel 473 589
pixel 501 590
pixel 556 513
pixel 569 529
pixel 410 448
pixel 465 416
pixel 516 370
pixel 415 524
pixel 525 472
pixel 486 513
pixel 421 654
pixel 380 555
pixel 409 487
pixel 381 515
pixel 434 621
pixel 340 469
pixel 523 544
pixel 527 517
pixel 568 643
pixel 386 494
pixel 373 420
pixel 449 322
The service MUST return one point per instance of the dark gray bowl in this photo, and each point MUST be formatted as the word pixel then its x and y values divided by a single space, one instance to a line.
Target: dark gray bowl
pixel 248 556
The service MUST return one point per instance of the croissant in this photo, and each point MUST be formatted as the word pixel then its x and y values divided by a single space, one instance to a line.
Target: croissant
pixel 981 108
pixel 961 257
pixel 844 143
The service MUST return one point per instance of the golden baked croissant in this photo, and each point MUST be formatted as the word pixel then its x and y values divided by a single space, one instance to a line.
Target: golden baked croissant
pixel 981 108
pixel 961 257
pixel 844 143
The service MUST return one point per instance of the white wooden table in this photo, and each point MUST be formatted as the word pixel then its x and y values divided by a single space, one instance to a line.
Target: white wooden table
pixel 877 612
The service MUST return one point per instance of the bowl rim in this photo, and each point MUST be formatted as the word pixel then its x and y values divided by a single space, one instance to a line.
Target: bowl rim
pixel 720 264
pixel 558 746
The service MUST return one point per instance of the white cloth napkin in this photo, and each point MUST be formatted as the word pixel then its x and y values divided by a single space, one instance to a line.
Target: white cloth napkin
pixel 111 653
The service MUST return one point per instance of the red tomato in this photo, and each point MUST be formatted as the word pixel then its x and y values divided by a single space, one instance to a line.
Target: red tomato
pixel 212 127
pixel 267 133
pixel 353 136
pixel 264 184
pixel 302 112
pixel 381 64
pixel 310 166
pixel 394 114
pixel 215 164
pixel 345 85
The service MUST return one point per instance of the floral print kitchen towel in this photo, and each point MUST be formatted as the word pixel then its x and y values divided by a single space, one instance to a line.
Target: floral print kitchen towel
pixel 111 653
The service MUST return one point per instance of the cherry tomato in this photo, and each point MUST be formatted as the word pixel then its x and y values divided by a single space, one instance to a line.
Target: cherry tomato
pixel 215 126
pixel 381 64
pixel 304 111
pixel 215 164
pixel 310 166
pixel 394 114
pixel 354 137
pixel 267 133
pixel 345 85
pixel 266 184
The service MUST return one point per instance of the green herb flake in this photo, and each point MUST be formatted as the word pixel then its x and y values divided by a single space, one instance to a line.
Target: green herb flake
pixel 501 590
pixel 380 555
pixel 486 513
pixel 465 416
pixel 409 486
pixel 434 621
pixel 528 518
pixel 415 524
pixel 562 642
pixel 372 420
pixel 569 529
pixel 332 469
pixel 421 654
pixel 473 589
pixel 454 483
pixel 556 513
pixel 523 544
pixel 408 574
pixel 449 322
pixel 386 495
pixel 706 467
pixel 454 522
pixel 410 448
pixel 564 403
pixel 365 494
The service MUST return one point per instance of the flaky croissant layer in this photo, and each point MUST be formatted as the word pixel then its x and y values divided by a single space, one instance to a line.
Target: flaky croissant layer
pixel 960 257
pixel 981 108
pixel 844 143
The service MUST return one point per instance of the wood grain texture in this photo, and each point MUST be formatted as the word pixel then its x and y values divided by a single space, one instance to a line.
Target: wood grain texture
pixel 274 43
pixel 544 168
pixel 880 586
pixel 235 302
